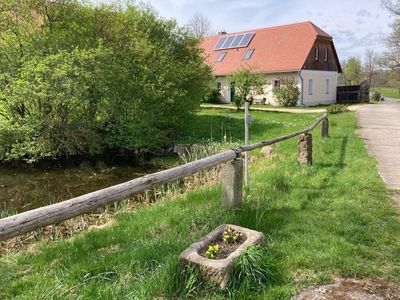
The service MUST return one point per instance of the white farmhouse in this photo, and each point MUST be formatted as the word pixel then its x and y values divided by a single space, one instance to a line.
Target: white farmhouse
pixel 302 51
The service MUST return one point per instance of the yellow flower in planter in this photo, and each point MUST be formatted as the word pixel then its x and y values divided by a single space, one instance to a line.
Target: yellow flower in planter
pixel 231 235
pixel 213 251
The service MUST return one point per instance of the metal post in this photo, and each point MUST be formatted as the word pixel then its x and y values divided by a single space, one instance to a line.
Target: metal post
pixel 246 142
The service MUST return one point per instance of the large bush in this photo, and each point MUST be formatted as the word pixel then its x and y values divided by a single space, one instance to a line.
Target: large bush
pixel 213 97
pixel 246 85
pixel 376 96
pixel 287 93
pixel 82 79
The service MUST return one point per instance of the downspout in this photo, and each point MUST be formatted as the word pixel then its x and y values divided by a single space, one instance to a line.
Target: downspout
pixel 301 88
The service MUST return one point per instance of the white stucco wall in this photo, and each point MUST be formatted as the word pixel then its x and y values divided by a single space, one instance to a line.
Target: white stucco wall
pixel 268 94
pixel 319 93
pixel 225 90
pixel 318 96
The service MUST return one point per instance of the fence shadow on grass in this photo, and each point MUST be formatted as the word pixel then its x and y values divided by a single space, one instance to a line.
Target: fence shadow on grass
pixel 341 161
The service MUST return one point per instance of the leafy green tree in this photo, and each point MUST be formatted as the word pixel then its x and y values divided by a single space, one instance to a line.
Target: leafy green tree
pixel 247 84
pixel 287 93
pixel 352 71
pixel 79 79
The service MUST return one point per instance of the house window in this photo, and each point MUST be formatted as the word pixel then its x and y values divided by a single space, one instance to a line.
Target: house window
pixel 316 53
pixel 326 55
pixel 310 86
pixel 219 86
pixel 221 57
pixel 248 54
pixel 327 86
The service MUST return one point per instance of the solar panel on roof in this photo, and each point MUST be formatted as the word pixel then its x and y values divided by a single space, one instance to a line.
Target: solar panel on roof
pixel 246 40
pixel 234 41
pixel 220 42
pixel 237 40
pixel 229 41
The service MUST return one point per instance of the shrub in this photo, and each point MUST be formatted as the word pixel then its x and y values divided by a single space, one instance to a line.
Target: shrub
pixel 376 96
pixel 287 93
pixel 337 108
pixel 246 85
pixel 213 97
pixel 132 85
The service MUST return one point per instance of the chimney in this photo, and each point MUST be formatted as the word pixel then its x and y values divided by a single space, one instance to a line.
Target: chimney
pixel 222 32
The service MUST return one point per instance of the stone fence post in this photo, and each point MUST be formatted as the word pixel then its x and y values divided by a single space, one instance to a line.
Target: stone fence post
pixel 325 127
pixel 304 150
pixel 232 183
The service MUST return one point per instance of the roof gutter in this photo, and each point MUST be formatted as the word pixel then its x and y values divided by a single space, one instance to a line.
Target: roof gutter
pixel 263 72
pixel 301 89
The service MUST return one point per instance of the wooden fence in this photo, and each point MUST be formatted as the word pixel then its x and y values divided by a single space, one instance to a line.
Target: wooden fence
pixel 350 94
pixel 55 213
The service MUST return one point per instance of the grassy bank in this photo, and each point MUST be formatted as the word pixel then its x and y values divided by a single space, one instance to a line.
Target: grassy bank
pixel 332 219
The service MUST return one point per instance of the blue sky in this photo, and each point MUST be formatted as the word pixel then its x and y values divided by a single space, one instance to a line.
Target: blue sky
pixel 354 24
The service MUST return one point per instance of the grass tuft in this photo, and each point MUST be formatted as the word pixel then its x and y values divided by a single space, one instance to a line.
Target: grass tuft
pixel 252 271
pixel 187 282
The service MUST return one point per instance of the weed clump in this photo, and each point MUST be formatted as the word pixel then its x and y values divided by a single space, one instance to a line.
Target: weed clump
pixel 337 108
pixel 251 271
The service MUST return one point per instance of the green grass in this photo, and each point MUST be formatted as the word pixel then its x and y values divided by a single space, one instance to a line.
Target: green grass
pixel 257 105
pixel 331 219
pixel 214 124
pixel 389 92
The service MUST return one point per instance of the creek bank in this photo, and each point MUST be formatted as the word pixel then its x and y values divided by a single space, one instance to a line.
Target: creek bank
pixel 24 187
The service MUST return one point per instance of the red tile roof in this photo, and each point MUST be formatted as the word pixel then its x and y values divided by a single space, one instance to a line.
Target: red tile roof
pixel 277 49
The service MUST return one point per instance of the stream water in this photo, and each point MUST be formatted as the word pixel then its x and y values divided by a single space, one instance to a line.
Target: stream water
pixel 23 189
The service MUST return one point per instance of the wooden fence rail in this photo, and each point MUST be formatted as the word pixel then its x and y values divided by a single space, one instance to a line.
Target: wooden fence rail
pixel 55 213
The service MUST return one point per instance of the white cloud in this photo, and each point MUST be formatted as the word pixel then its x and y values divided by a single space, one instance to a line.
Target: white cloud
pixel 353 29
pixel 363 13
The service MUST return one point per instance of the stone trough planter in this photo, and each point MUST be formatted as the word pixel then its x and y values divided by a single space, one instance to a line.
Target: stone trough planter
pixel 219 270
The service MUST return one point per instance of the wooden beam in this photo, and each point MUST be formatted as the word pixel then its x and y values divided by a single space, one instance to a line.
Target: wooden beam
pixel 58 212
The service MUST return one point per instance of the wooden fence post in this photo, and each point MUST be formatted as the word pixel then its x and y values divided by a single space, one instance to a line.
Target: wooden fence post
pixel 232 183
pixel 325 127
pixel 304 150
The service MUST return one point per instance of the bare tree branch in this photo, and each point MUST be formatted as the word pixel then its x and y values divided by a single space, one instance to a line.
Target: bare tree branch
pixel 393 7
pixel 370 66
pixel 200 25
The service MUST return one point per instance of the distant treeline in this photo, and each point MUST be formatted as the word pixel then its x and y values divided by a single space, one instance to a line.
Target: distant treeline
pixel 81 79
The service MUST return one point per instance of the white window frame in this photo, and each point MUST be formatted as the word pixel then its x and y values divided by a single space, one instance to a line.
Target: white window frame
pixel 221 57
pixel 248 54
pixel 327 83
pixel 310 86
pixel 316 53
pixel 326 55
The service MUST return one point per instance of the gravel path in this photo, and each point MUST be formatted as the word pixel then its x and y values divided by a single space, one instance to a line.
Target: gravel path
pixel 380 128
